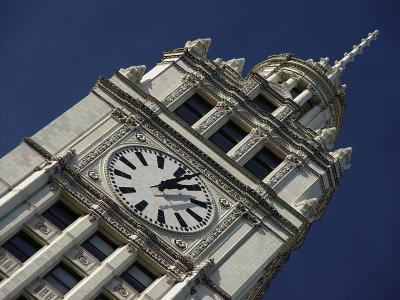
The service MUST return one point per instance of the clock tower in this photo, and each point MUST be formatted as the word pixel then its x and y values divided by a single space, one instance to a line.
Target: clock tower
pixel 189 181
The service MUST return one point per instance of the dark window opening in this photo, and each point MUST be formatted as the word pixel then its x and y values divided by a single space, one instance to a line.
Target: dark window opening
pixel 62 278
pixel 307 106
pixel 60 215
pixel 99 245
pixel 138 277
pixel 22 246
pixel 264 104
pixel 228 136
pixel 296 91
pixel 193 109
pixel 101 297
pixel 263 163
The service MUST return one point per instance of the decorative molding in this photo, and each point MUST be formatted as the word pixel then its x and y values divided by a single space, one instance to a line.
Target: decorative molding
pixel 224 203
pixel 134 73
pixel 8 263
pixel 37 148
pixel 291 162
pixel 144 239
pixel 307 208
pixel 214 234
pixel 215 288
pixel 105 145
pixel 42 290
pixel 180 244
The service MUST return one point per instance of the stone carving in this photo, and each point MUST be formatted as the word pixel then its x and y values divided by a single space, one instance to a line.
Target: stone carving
pixel 326 137
pixel 8 263
pixel 205 242
pixel 140 137
pixel 43 228
pixel 122 290
pixel 83 259
pixel 93 175
pixel 280 89
pixel 180 90
pixel 307 208
pixel 343 155
pixel 224 203
pixel 180 244
pixel 218 113
pixel 200 46
pixel 42 290
pixel 103 147
pixel 237 64
pixel 134 73
pixel 93 218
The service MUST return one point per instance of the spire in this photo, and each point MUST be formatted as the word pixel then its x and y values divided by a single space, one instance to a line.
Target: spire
pixel 349 57
pixel 335 71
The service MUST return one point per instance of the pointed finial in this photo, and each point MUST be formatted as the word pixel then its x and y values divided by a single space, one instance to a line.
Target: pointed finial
pixel 357 49
pixel 237 64
pixel 134 73
pixel 200 46
pixel 343 156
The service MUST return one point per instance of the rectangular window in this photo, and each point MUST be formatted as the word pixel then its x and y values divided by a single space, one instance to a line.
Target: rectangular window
pixel 193 109
pixel 99 245
pixel 228 136
pixel 263 163
pixel 60 215
pixel 264 104
pixel 62 278
pixel 138 277
pixel 22 246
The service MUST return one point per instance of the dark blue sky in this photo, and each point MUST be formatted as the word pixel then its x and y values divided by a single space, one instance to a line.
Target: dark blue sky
pixel 52 52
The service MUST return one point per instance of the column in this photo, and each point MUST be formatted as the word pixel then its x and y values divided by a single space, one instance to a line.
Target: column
pixel 311 114
pixel 109 268
pixel 320 120
pixel 47 257
pixel 13 221
pixel 291 82
pixel 275 76
pixel 303 97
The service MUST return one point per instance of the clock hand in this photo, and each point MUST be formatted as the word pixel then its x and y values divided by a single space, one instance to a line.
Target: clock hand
pixel 169 183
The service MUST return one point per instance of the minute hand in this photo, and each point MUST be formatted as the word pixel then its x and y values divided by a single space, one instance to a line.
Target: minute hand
pixel 169 183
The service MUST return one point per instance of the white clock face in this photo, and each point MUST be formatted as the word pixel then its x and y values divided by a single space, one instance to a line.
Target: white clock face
pixel 160 189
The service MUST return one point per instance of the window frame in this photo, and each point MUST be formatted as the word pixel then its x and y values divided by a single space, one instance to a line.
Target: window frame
pixel 68 267
pixel 30 238
pixel 99 232
pixel 147 270
pixel 267 98
pixel 236 121
pixel 56 221
pixel 281 154
pixel 202 95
